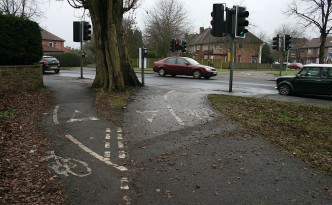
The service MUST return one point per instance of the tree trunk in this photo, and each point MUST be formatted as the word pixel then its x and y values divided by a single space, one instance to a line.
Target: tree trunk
pixel 322 48
pixel 113 69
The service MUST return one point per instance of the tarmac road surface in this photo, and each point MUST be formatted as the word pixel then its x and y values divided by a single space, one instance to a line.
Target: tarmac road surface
pixel 177 150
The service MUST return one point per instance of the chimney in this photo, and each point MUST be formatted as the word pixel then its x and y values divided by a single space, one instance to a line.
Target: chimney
pixel 201 30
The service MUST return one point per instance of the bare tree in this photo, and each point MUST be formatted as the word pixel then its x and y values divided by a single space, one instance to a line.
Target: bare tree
pixel 166 20
pixel 22 8
pixel 113 71
pixel 289 29
pixel 316 13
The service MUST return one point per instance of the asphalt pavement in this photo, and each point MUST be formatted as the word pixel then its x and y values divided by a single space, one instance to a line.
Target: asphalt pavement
pixel 184 152
pixel 173 148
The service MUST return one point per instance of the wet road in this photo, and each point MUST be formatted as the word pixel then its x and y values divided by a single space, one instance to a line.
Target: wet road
pixel 245 83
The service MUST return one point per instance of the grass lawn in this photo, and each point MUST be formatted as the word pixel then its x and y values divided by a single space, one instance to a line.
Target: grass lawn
pixel 303 130
pixel 289 72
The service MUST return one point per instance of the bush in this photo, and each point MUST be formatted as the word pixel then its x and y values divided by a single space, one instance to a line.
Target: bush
pixel 21 41
pixel 68 59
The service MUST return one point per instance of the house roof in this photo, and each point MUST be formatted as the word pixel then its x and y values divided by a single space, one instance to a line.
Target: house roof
pixel 205 37
pixel 49 36
pixel 315 42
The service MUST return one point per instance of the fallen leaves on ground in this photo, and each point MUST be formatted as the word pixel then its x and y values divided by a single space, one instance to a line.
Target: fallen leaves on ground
pixel 24 177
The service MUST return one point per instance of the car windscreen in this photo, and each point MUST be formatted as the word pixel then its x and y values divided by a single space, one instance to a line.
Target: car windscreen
pixel 50 59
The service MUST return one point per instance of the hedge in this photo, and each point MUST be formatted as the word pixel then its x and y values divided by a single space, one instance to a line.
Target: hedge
pixel 21 41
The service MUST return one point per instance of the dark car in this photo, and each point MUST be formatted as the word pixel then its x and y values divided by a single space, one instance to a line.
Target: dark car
pixel 50 63
pixel 183 66
pixel 311 79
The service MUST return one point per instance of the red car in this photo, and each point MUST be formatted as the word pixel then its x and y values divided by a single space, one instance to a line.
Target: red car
pixel 183 66
pixel 295 66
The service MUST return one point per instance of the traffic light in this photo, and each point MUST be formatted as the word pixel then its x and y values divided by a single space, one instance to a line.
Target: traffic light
pixel 145 52
pixel 184 46
pixel 240 21
pixel 77 31
pixel 172 44
pixel 177 45
pixel 288 43
pixel 229 21
pixel 217 23
pixel 86 31
pixel 275 43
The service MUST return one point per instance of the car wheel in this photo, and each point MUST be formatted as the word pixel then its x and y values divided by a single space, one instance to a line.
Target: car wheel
pixel 284 89
pixel 57 70
pixel 197 74
pixel 161 72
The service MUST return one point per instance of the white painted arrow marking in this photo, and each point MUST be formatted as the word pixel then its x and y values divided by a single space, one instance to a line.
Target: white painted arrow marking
pixel 74 119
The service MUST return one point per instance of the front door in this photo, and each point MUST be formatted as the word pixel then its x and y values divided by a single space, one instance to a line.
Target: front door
pixel 308 81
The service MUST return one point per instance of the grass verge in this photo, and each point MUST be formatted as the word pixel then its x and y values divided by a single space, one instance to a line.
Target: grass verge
pixel 289 72
pixel 304 130
pixel 111 105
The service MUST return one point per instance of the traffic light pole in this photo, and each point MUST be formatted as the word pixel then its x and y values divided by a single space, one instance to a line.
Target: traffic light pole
pixel 281 50
pixel 232 65
pixel 82 24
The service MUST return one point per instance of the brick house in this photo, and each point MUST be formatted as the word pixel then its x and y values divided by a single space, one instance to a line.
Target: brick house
pixel 307 51
pixel 205 46
pixel 52 44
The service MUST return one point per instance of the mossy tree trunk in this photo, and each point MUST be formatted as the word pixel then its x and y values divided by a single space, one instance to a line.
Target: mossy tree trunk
pixel 114 71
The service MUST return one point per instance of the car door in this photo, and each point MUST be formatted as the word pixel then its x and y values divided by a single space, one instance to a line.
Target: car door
pixel 326 81
pixel 308 81
pixel 170 66
pixel 183 66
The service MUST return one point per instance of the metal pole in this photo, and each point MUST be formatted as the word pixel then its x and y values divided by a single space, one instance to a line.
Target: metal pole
pixel 81 37
pixel 232 65
pixel 281 55
pixel 142 63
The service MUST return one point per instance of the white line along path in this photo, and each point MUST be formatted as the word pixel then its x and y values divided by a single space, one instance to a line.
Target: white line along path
pixel 122 153
pixel 97 156
pixel 107 152
pixel 55 115
pixel 175 116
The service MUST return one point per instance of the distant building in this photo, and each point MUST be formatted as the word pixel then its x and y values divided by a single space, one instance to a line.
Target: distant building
pixel 307 51
pixel 52 44
pixel 205 46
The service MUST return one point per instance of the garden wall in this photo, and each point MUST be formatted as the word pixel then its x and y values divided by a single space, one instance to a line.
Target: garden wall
pixel 21 77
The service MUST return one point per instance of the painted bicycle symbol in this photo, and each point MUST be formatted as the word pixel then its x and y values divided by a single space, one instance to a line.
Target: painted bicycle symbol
pixel 66 166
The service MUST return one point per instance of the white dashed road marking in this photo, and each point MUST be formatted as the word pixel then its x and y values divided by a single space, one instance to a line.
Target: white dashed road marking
pixel 55 115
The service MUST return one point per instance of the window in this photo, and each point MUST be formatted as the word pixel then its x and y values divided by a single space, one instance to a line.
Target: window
pixel 239 59
pixel 327 72
pixel 181 61
pixel 50 43
pixel 310 72
pixel 171 60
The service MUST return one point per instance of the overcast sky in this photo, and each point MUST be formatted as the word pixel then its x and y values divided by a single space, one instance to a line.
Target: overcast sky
pixel 265 16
